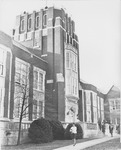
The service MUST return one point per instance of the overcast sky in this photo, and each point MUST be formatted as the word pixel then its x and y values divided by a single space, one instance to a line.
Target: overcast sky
pixel 97 25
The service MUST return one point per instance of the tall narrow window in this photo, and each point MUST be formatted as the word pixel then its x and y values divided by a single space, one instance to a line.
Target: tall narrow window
pixel 1 69
pixel 38 94
pixel 38 79
pixel 45 20
pixel 21 87
pixel 29 23
pixel 22 24
pixel 67 38
pixel 40 110
pixel 2 56
pixel 67 60
pixel 35 79
pixel 35 109
pixel 37 21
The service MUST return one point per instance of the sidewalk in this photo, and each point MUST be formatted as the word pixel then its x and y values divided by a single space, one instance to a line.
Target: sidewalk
pixel 80 146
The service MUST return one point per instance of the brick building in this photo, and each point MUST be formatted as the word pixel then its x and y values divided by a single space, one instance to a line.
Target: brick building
pixel 20 71
pixel 43 54
pixel 91 107
pixel 50 34
pixel 112 105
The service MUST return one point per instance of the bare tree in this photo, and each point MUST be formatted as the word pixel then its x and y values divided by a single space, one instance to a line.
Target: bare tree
pixel 21 96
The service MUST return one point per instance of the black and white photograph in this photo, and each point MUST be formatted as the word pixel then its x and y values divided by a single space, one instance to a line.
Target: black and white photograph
pixel 60 74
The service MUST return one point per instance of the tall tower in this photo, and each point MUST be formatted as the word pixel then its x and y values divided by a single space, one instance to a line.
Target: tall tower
pixel 50 34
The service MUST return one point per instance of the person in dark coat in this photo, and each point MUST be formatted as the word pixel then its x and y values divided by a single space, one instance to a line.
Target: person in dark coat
pixel 111 129
pixel 103 128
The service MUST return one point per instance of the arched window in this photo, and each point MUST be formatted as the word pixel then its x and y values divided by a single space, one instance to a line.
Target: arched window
pixel 22 24
pixel 29 23
pixel 45 20
pixel 37 21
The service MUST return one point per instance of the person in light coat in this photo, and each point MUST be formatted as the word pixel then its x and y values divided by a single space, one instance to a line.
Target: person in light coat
pixel 73 130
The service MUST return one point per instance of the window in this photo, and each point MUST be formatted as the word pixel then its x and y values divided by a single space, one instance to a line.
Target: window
pixel 21 87
pixel 98 113
pixel 38 104
pixel 73 85
pixel 1 69
pixel 40 84
pixel 67 38
pixel 1 100
pixel 40 109
pixel 2 55
pixel 70 40
pixel 117 104
pixel 67 60
pixel 95 114
pixel 68 26
pixel 102 104
pixel 21 72
pixel 94 100
pixel 38 79
pixel 71 61
pixel 35 109
pixel 45 20
pixel 29 23
pixel 71 28
pixel 98 101
pixel 88 98
pixel 36 39
pixel 88 113
pixel 22 25
pixel 18 78
pixel 37 21
pixel 35 79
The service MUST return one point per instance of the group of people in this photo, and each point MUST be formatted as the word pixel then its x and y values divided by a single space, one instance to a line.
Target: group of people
pixel 73 131
pixel 110 128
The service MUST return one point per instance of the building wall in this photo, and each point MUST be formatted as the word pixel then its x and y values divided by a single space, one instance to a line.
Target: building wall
pixel 53 36
pixel 5 69
pixel 112 105
pixel 91 108
pixel 12 52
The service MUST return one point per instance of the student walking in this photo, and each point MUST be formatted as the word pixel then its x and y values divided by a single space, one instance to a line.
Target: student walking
pixel 103 128
pixel 111 129
pixel 73 130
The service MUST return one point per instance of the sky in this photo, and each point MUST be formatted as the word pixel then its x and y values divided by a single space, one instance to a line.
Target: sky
pixel 97 24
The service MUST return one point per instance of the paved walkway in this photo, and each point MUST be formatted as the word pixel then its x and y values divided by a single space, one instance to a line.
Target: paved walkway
pixel 80 146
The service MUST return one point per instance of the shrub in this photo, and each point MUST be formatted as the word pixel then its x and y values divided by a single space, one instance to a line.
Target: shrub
pixel 68 134
pixel 57 129
pixel 40 131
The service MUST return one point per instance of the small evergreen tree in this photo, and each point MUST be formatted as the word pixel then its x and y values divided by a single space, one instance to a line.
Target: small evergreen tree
pixel 40 131
pixel 57 129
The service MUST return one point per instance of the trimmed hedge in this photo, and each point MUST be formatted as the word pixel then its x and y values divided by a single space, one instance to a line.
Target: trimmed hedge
pixel 57 129
pixel 40 131
pixel 68 134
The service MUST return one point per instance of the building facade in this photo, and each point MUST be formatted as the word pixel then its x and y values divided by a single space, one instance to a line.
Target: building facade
pixel 50 34
pixel 22 78
pixel 91 108
pixel 112 106
pixel 41 60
